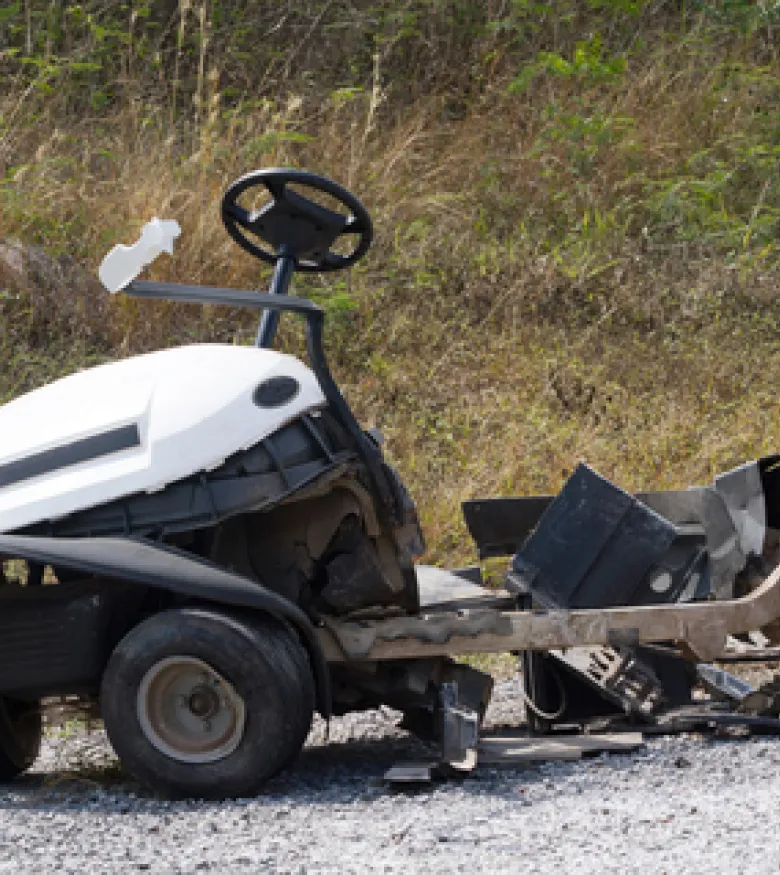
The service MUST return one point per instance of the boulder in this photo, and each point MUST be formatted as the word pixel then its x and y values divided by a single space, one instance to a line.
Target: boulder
pixel 42 294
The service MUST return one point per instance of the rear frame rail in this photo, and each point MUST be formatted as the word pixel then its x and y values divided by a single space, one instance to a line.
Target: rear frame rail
pixel 699 629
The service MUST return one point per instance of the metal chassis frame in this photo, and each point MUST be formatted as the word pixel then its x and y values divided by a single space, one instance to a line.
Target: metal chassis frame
pixel 699 629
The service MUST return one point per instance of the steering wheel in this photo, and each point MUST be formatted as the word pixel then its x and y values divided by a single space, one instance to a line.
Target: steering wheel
pixel 293 225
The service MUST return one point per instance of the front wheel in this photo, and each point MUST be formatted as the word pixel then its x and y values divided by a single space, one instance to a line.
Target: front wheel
pixel 205 704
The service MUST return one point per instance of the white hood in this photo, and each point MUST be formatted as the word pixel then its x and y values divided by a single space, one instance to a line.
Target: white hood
pixel 137 425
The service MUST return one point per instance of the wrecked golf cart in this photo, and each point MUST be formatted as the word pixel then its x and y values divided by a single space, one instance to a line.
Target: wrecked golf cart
pixel 212 547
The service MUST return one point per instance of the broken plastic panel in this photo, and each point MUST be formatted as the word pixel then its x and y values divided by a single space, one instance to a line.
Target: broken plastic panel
pixel 734 514
pixel 597 546
pixel 124 263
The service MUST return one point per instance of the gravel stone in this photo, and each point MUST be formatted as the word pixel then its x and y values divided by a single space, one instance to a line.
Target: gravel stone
pixel 643 812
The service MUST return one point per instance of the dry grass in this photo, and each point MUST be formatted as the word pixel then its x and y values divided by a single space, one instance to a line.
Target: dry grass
pixel 583 270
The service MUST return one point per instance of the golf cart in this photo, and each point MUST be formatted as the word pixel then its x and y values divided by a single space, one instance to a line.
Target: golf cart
pixel 204 541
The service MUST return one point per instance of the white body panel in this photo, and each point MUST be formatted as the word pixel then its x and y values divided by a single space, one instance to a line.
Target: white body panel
pixel 193 408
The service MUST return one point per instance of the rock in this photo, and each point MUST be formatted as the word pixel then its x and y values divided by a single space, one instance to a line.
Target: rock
pixel 53 292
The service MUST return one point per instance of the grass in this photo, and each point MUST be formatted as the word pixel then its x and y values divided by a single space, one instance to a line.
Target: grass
pixel 575 251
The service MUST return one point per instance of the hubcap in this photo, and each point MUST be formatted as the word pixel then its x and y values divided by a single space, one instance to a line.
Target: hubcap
pixel 189 712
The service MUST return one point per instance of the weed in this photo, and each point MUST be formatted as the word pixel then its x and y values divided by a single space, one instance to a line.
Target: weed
pixel 576 209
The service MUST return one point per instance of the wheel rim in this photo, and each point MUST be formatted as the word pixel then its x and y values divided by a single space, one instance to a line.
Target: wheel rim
pixel 189 712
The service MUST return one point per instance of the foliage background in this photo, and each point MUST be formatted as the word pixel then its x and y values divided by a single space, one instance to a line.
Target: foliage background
pixel 577 208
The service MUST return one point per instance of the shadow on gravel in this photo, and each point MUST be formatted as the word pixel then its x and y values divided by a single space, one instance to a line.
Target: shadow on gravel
pixel 329 772
pixel 325 773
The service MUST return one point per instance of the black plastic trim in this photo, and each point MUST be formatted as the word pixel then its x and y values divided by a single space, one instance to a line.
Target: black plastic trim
pixel 55 640
pixel 155 565
pixel 186 294
pixel 84 450
pixel 276 391
pixel 500 526
pixel 246 482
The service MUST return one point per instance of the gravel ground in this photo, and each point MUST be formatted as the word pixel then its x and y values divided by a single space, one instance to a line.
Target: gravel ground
pixel 683 804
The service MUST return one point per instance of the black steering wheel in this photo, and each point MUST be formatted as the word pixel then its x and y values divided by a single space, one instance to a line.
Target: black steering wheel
pixel 294 226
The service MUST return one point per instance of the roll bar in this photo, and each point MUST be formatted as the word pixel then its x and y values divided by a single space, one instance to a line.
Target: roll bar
pixel 315 322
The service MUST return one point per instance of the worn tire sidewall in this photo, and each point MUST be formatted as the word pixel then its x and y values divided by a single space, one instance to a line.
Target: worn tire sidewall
pixel 259 676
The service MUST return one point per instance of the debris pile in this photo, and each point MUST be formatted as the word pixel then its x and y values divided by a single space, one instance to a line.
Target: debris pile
pixel 594 546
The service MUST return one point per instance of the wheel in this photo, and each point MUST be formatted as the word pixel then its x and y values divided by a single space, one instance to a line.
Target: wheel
pixel 304 229
pixel 205 704
pixel 21 728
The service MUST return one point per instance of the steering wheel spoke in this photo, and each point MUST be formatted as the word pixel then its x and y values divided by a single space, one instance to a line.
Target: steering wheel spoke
pixel 355 225
pixel 244 217
pixel 334 261
pixel 276 187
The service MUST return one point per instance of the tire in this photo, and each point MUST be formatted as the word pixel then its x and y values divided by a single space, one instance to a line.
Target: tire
pixel 205 704
pixel 21 729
